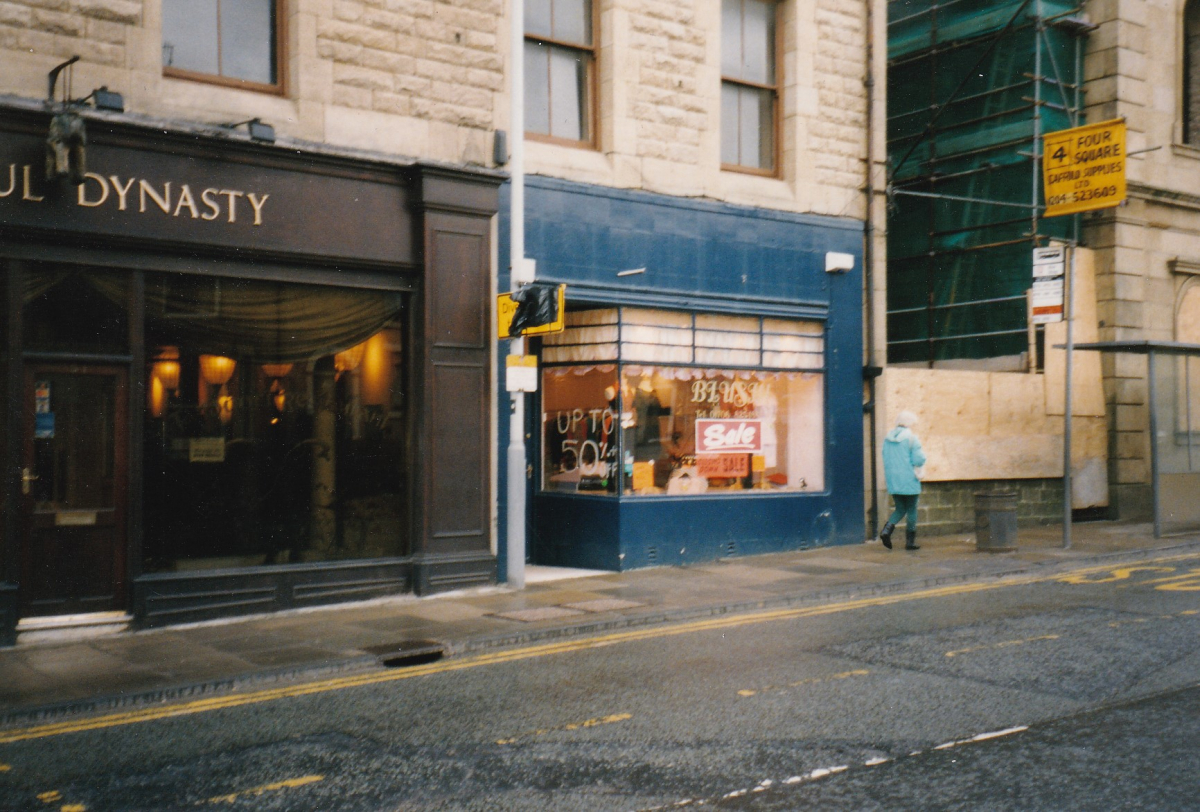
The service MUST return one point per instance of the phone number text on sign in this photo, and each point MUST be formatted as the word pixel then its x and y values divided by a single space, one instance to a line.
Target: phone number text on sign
pixel 728 436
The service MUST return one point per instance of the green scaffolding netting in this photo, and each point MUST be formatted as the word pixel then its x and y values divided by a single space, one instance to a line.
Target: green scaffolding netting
pixel 971 87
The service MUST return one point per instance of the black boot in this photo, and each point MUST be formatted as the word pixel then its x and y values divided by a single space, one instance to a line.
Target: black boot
pixel 910 540
pixel 885 535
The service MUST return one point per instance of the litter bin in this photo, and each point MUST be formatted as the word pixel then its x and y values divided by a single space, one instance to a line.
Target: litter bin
pixel 996 521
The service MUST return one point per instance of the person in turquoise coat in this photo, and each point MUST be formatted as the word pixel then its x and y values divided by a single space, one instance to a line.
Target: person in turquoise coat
pixel 902 459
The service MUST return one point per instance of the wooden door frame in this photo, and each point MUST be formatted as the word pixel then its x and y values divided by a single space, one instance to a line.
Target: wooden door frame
pixel 121 469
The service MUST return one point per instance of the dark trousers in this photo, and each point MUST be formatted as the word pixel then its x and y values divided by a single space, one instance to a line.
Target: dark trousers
pixel 906 505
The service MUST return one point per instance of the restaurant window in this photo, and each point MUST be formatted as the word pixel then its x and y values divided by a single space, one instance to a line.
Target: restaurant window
pixel 274 424
pixel 559 66
pixel 235 41
pixel 70 310
pixel 749 84
pixel 645 402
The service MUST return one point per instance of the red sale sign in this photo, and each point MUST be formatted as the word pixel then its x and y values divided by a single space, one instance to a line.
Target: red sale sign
pixel 728 436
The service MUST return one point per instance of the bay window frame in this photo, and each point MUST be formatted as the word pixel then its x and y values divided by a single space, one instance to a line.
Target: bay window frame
pixel 590 106
pixel 775 169
pixel 277 88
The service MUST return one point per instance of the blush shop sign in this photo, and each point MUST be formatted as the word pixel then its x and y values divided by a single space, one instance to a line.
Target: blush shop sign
pixel 136 189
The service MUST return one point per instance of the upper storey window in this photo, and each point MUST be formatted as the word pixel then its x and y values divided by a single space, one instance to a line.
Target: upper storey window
pixel 559 67
pixel 1191 73
pixel 749 85
pixel 233 42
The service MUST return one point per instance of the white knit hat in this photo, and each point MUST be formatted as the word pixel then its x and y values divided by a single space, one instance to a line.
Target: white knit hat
pixel 906 419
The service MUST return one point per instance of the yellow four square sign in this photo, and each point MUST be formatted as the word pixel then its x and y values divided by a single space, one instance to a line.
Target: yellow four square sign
pixel 1083 168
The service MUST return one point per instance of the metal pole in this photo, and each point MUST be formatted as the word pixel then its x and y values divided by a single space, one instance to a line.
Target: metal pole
pixel 515 546
pixel 1187 403
pixel 1066 543
pixel 1152 396
pixel 1036 149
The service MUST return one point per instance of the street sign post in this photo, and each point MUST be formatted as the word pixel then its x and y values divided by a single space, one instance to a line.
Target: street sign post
pixel 1083 169
pixel 1046 297
pixel 506 308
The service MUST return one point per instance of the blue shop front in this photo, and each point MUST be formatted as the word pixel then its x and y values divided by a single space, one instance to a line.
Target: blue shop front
pixel 705 399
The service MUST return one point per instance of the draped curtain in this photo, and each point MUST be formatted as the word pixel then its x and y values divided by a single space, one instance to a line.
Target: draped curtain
pixel 253 320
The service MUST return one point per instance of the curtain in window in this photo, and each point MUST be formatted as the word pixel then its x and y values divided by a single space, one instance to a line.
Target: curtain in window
pixel 259 321
pixel 266 322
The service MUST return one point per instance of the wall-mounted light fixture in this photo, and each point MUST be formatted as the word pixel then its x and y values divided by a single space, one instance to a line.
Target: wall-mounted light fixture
pixel 216 369
pixel 106 99
pixel 164 379
pixel 500 147
pixel 102 98
pixel 66 142
pixel 837 262
pixel 348 360
pixel 278 394
pixel 277 370
pixel 258 129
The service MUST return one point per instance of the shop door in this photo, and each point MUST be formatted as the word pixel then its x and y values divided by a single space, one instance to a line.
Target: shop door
pixel 73 486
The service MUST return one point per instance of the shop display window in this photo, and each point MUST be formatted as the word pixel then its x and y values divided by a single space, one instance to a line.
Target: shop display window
pixel 274 424
pixel 580 444
pixel 666 428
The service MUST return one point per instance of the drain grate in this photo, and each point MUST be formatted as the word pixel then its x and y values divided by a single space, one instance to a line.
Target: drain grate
pixel 408 653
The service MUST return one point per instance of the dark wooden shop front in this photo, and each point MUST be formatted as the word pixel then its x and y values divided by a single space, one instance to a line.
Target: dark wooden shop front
pixel 238 377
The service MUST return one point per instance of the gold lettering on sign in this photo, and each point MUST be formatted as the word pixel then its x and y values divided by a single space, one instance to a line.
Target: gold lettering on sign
pixel 121 190
pixel 185 200
pixel 257 205
pixel 83 198
pixel 214 206
pixel 29 195
pixel 99 190
pixel 232 195
pixel 164 202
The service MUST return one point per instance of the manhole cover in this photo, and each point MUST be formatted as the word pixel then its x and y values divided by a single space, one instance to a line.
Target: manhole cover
pixel 408 653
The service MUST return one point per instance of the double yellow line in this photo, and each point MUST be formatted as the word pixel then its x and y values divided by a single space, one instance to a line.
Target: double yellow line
pixel 237 700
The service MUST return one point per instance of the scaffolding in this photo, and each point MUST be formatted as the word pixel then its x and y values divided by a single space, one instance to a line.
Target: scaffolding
pixel 972 87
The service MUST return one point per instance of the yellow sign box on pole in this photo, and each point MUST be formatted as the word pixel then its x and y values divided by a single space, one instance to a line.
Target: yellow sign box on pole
pixel 506 308
pixel 1083 168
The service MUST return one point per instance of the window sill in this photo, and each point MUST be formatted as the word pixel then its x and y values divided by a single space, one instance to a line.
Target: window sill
pixel 577 160
pixel 223 81
pixel 1186 151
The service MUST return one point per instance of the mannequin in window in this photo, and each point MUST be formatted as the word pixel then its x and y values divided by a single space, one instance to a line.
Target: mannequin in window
pixel 647 408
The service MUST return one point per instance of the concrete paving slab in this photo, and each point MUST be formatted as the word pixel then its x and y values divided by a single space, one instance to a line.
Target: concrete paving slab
pixel 840 562
pixel 542 613
pixel 604 605
pixel 443 611
pixel 68 661
pixel 296 655
pixel 815 569
pixel 747 574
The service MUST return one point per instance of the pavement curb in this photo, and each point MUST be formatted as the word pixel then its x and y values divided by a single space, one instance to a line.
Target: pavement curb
pixel 474 644
pixel 903 586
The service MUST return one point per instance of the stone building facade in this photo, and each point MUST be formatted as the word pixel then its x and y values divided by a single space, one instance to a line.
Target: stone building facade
pixel 675 230
pixel 266 285
pixel 1148 250
pixel 374 125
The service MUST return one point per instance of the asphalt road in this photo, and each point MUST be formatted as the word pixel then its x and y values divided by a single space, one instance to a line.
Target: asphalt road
pixel 759 711
pixel 1141 755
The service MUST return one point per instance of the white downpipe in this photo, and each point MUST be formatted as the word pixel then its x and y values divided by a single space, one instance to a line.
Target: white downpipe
pixel 515 546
